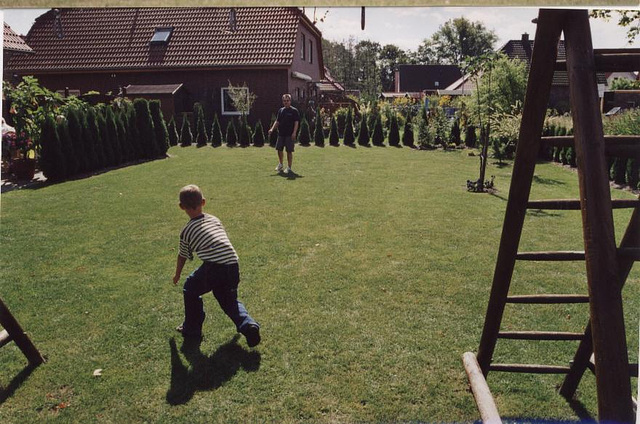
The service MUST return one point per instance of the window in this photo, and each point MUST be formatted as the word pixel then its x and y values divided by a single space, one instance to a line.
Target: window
pixel 228 106
pixel 161 35
pixel 310 51
pixel 304 44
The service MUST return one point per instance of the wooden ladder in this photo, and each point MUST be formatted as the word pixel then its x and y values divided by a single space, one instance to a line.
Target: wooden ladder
pixel 13 332
pixel 607 266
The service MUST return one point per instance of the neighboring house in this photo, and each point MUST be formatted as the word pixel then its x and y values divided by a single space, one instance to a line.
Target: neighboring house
pixel 631 76
pixel 181 55
pixel 12 44
pixel 331 94
pixel 418 80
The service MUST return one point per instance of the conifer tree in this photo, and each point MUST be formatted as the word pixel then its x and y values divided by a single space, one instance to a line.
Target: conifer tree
pixel 186 137
pixel 454 135
pixel 216 132
pixel 52 160
pixel 304 136
pixel 76 137
pixel 273 137
pixel 201 132
pixel 318 133
pixel 244 138
pixel 231 135
pixel 173 132
pixel 95 139
pixel 394 132
pixel 71 160
pixel 334 140
pixel 363 133
pixel 258 135
pixel 407 135
pixel 133 138
pixel 112 135
pixel 349 137
pixel 107 146
pixel 378 134
pixel 470 137
pixel 146 130
pixel 160 128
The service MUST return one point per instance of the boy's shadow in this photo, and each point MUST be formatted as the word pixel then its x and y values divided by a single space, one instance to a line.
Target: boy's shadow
pixel 204 372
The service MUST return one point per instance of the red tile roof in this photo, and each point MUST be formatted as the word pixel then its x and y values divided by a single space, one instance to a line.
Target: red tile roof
pixel 119 38
pixel 13 42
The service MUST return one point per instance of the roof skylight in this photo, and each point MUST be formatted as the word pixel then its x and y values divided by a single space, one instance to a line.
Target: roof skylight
pixel 161 35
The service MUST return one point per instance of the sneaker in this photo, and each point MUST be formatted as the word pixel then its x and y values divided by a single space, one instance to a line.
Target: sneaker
pixel 252 333
pixel 288 171
pixel 180 329
pixel 279 167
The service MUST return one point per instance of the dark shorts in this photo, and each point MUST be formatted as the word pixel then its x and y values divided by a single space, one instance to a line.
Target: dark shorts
pixel 284 142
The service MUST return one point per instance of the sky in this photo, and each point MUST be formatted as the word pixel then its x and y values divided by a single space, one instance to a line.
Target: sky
pixel 407 27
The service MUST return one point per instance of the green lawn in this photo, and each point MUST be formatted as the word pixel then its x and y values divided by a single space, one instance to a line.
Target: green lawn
pixel 369 273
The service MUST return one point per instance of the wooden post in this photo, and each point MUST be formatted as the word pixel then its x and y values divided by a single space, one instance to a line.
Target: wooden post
pixel 482 394
pixel 535 107
pixel 18 336
pixel 607 321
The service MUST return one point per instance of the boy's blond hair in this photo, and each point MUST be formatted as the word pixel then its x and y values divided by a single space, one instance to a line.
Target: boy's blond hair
pixel 286 96
pixel 191 196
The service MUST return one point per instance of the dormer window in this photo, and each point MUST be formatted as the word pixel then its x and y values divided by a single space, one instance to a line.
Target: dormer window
pixel 161 36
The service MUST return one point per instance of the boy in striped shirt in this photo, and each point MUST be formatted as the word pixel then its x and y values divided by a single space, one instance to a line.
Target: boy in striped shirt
pixel 219 272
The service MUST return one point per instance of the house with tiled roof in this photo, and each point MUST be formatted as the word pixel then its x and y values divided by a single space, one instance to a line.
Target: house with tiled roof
pixel 194 52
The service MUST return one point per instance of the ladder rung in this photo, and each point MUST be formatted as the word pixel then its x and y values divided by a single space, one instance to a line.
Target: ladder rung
pixel 548 298
pixel 529 368
pixel 551 256
pixel 5 337
pixel 540 335
pixel 575 204
pixel 629 253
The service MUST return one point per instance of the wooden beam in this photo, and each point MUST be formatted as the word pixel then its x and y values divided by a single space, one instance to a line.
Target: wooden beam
pixel 484 400
pixel 575 204
pixel 544 56
pixel 548 298
pixel 540 335
pixel 607 320
pixel 530 368
pixel 19 336
pixel 551 256
pixel 610 60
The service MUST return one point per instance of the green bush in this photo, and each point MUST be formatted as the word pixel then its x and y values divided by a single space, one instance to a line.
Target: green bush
pixel 407 134
pixel 107 143
pixel 173 132
pixel 244 132
pixel 349 136
pixel 619 171
pixel 160 128
pixel 454 135
pixel 318 132
pixel 93 139
pixel 231 136
pixel 258 135
pixel 334 139
pixel 146 131
pixel 363 133
pixel 341 119
pixel 186 136
pixel 202 139
pixel 216 132
pixel 77 140
pixel 273 137
pixel 378 134
pixel 52 160
pixel 394 131
pixel 304 137
pixel 111 135
pixel 71 160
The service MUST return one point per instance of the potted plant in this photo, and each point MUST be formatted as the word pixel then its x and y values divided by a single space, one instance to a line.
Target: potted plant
pixel 22 154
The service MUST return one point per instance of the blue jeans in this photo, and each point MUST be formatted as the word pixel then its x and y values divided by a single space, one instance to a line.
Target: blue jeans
pixel 222 281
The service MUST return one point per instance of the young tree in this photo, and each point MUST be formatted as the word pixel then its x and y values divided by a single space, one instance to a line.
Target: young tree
pixel 258 135
pixel 407 134
pixel 201 132
pixel 244 136
pixel 160 128
pixel 363 134
pixel 71 160
pixel 112 135
pixel 378 133
pixel 52 160
pixel 186 137
pixel 216 132
pixel 394 132
pixel 304 136
pixel 349 136
pixel 173 132
pixel 454 135
pixel 93 139
pixel 318 133
pixel 232 136
pixel 146 131
pixel 334 139
pixel 76 137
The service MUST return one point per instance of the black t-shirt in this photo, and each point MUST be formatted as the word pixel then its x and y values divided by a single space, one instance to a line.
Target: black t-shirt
pixel 287 116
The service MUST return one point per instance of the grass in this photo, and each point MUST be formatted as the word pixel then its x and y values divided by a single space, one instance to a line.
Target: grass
pixel 369 273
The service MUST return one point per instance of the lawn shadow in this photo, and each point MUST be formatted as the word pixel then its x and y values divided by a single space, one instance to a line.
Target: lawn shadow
pixel 547 181
pixel 7 391
pixel 289 175
pixel 204 372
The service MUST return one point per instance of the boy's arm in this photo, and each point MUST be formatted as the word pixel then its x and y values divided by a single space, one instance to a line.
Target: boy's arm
pixel 274 126
pixel 295 130
pixel 179 265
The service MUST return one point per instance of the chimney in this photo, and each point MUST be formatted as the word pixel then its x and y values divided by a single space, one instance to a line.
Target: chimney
pixel 525 37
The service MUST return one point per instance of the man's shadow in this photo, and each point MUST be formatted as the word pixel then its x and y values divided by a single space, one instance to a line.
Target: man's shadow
pixel 204 372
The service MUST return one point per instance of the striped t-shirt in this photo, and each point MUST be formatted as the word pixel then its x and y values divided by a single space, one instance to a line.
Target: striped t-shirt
pixel 206 236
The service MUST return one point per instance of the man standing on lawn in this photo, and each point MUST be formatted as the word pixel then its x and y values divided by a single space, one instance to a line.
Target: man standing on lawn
pixel 287 124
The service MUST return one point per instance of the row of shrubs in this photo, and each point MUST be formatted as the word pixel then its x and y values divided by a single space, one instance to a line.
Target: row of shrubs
pixel 88 139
